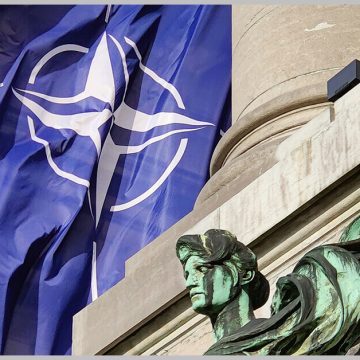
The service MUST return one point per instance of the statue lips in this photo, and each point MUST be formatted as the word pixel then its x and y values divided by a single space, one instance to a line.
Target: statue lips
pixel 195 293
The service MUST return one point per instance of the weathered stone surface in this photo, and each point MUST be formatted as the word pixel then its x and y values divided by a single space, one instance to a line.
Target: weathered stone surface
pixel 305 172
pixel 285 48
pixel 325 228
pixel 245 153
pixel 127 305
pixel 160 331
pixel 291 184
pixel 193 341
pixel 282 59
pixel 195 336
pixel 308 130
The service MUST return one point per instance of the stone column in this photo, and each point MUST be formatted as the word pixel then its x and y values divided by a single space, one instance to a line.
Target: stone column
pixel 283 57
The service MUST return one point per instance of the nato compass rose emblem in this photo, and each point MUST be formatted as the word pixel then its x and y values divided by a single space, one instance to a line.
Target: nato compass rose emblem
pixel 100 84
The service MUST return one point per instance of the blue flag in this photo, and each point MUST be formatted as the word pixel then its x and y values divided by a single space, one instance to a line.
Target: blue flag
pixel 108 119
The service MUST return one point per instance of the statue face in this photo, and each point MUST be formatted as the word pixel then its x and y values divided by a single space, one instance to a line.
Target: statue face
pixel 210 285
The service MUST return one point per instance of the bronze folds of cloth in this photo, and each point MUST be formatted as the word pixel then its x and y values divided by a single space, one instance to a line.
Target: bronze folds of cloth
pixel 315 309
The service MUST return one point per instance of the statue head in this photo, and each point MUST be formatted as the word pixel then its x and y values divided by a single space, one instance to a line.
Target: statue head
pixel 217 268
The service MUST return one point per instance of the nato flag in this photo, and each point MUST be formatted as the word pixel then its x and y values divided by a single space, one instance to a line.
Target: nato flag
pixel 108 119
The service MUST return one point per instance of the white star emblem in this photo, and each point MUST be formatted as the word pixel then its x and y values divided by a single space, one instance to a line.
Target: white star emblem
pixel 100 85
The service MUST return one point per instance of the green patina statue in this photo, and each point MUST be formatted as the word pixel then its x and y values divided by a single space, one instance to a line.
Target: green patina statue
pixel 315 309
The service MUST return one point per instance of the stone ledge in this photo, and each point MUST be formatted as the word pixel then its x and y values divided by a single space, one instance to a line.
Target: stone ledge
pixel 189 333
pixel 308 170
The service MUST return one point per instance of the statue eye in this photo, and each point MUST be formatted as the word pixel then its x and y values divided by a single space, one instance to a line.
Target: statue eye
pixel 204 268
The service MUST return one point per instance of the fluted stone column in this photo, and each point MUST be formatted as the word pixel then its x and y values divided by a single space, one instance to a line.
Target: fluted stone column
pixel 283 57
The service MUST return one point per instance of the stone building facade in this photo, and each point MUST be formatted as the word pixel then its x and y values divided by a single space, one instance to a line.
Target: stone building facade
pixel 284 178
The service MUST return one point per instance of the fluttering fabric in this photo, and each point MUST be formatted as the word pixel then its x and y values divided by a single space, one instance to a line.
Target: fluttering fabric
pixel 108 119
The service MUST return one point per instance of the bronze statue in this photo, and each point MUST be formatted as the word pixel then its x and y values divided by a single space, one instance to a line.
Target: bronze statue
pixel 315 309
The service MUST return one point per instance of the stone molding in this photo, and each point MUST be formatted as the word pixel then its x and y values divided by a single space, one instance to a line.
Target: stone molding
pixel 283 57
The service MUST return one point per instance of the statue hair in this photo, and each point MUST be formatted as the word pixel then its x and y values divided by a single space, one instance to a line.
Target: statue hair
pixel 220 246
